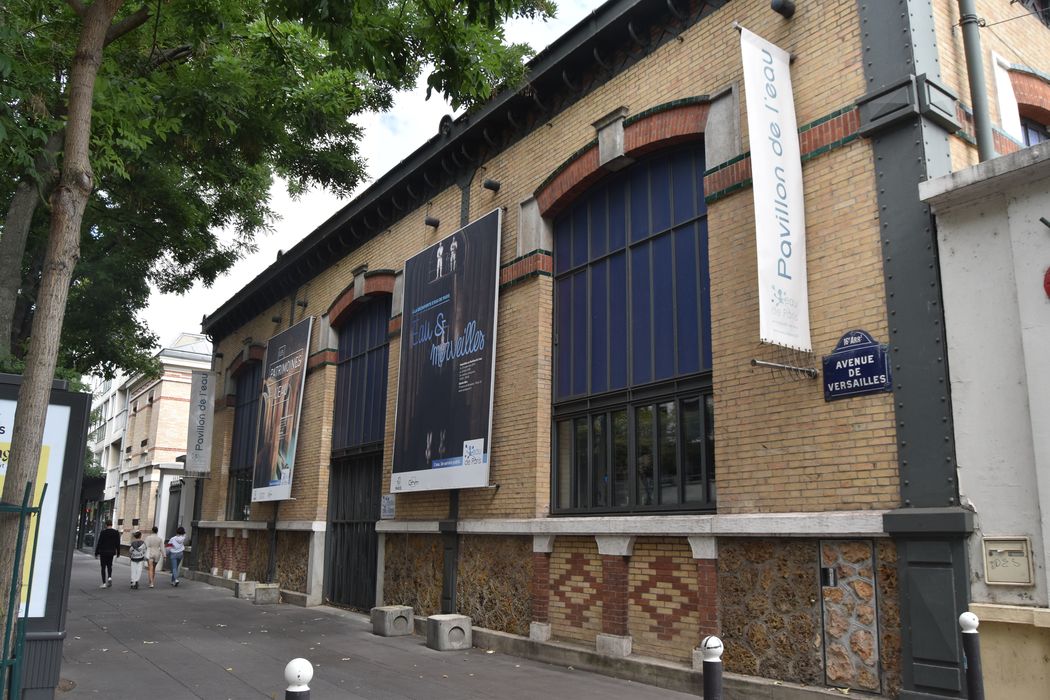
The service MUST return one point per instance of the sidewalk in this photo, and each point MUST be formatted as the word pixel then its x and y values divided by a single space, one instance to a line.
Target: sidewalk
pixel 198 641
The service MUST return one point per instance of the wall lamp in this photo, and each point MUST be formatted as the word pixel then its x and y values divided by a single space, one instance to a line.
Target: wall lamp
pixel 302 302
pixel 275 319
pixel 784 8
pixel 432 221
pixel 493 185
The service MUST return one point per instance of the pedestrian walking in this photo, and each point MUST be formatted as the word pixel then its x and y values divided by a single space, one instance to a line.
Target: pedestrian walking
pixel 154 555
pixel 137 555
pixel 176 546
pixel 106 549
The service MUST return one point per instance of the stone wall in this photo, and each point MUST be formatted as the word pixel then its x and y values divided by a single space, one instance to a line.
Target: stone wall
pixel 293 556
pixel 889 616
pixel 203 544
pixel 850 615
pixel 413 572
pixel 769 594
pixel 492 583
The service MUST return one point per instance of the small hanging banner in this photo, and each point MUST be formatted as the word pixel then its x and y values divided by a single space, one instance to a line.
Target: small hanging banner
pixel 858 365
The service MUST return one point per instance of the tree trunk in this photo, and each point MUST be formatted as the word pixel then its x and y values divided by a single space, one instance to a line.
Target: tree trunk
pixel 68 201
pixel 16 232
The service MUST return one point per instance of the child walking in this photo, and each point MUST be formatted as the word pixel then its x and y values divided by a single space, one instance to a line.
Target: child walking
pixel 137 555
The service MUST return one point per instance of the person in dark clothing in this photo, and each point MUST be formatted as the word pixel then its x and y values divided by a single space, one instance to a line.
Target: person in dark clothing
pixel 106 549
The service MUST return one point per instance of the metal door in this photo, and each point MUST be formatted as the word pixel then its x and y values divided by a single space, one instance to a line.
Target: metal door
pixel 353 510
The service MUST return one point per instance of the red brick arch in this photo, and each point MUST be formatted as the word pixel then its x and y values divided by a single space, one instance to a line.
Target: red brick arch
pixel 1033 96
pixel 662 126
pixel 347 302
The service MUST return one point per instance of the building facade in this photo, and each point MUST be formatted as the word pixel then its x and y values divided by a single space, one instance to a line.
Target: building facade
pixel 657 473
pixel 151 488
pixel 109 419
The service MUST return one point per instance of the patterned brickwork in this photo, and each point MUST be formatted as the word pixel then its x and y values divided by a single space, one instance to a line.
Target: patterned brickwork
pixel 707 590
pixel 770 603
pixel 576 584
pixel 664 599
pixel 1033 95
pixel 413 572
pixel 493 582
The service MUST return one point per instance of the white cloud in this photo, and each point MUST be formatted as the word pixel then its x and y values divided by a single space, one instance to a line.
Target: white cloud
pixel 389 138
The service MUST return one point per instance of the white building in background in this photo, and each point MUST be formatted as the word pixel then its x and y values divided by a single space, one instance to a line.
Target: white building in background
pixel 150 489
pixel 993 223
pixel 105 441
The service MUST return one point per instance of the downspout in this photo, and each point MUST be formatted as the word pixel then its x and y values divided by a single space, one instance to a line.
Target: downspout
pixel 970 24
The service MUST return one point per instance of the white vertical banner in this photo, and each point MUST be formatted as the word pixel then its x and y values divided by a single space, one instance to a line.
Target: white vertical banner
pixel 201 424
pixel 776 171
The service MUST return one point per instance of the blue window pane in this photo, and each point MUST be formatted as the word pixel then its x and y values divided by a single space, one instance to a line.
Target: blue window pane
pixel 641 318
pixel 618 322
pixel 683 172
pixel 563 323
pixel 663 308
pixel 562 245
pixel 617 214
pixel 598 227
pixel 580 254
pixel 705 295
pixel 660 194
pixel 579 333
pixel 639 193
pixel 687 295
pixel 599 328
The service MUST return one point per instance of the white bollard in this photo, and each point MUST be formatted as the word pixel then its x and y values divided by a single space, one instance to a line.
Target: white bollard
pixel 298 674
pixel 712 648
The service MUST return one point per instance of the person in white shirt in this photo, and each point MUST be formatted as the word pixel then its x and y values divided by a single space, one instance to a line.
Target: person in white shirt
pixel 176 546
pixel 154 555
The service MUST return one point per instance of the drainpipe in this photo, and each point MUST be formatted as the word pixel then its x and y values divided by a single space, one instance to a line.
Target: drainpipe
pixel 975 72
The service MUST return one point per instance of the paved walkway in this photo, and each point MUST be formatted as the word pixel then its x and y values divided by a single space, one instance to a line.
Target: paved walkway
pixel 198 641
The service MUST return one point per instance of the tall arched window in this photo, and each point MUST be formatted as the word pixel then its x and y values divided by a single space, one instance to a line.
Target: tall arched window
pixel 632 344
pixel 242 451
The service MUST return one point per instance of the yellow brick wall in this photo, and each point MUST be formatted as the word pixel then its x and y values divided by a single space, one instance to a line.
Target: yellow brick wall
pixel 662 599
pixel 779 447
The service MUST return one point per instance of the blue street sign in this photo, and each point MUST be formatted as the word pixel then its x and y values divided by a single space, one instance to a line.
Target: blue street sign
pixel 858 365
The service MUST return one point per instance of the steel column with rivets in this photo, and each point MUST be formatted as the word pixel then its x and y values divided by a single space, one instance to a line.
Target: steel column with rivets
pixel 904 115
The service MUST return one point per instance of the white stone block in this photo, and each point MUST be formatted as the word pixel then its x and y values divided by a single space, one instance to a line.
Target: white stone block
pixel 449 632
pixel 613 645
pixel 393 620
pixel 267 594
pixel 540 631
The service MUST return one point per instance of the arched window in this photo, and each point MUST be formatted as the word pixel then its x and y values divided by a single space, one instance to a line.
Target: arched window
pixel 632 344
pixel 242 452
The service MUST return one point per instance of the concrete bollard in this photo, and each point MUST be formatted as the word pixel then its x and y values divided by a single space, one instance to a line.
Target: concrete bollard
pixel 298 674
pixel 972 654
pixel 712 649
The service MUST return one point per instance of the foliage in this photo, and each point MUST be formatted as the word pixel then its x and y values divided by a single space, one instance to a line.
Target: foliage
pixel 194 114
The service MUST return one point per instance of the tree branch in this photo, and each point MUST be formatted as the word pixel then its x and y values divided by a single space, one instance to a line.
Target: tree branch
pixel 129 23
pixel 77 6
pixel 170 56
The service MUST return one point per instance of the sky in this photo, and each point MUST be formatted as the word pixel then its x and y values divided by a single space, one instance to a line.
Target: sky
pixel 389 138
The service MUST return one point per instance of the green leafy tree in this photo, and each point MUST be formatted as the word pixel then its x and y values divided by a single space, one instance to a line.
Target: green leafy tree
pixel 130 133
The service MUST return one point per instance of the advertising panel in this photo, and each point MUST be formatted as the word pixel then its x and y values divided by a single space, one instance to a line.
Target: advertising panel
pixel 201 423
pixel 279 408
pixel 776 170
pixel 443 429
pixel 52 453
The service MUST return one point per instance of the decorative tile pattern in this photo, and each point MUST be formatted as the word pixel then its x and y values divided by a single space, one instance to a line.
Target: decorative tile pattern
pixel 663 600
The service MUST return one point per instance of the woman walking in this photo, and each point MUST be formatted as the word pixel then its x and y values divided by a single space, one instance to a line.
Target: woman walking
pixel 176 546
pixel 154 555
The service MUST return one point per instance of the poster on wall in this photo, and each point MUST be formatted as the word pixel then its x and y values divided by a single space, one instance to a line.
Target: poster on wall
pixel 776 171
pixel 280 405
pixel 49 471
pixel 201 423
pixel 443 428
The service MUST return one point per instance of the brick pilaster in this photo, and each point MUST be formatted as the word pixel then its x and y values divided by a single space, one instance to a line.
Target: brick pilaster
pixel 707 596
pixel 541 586
pixel 614 594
